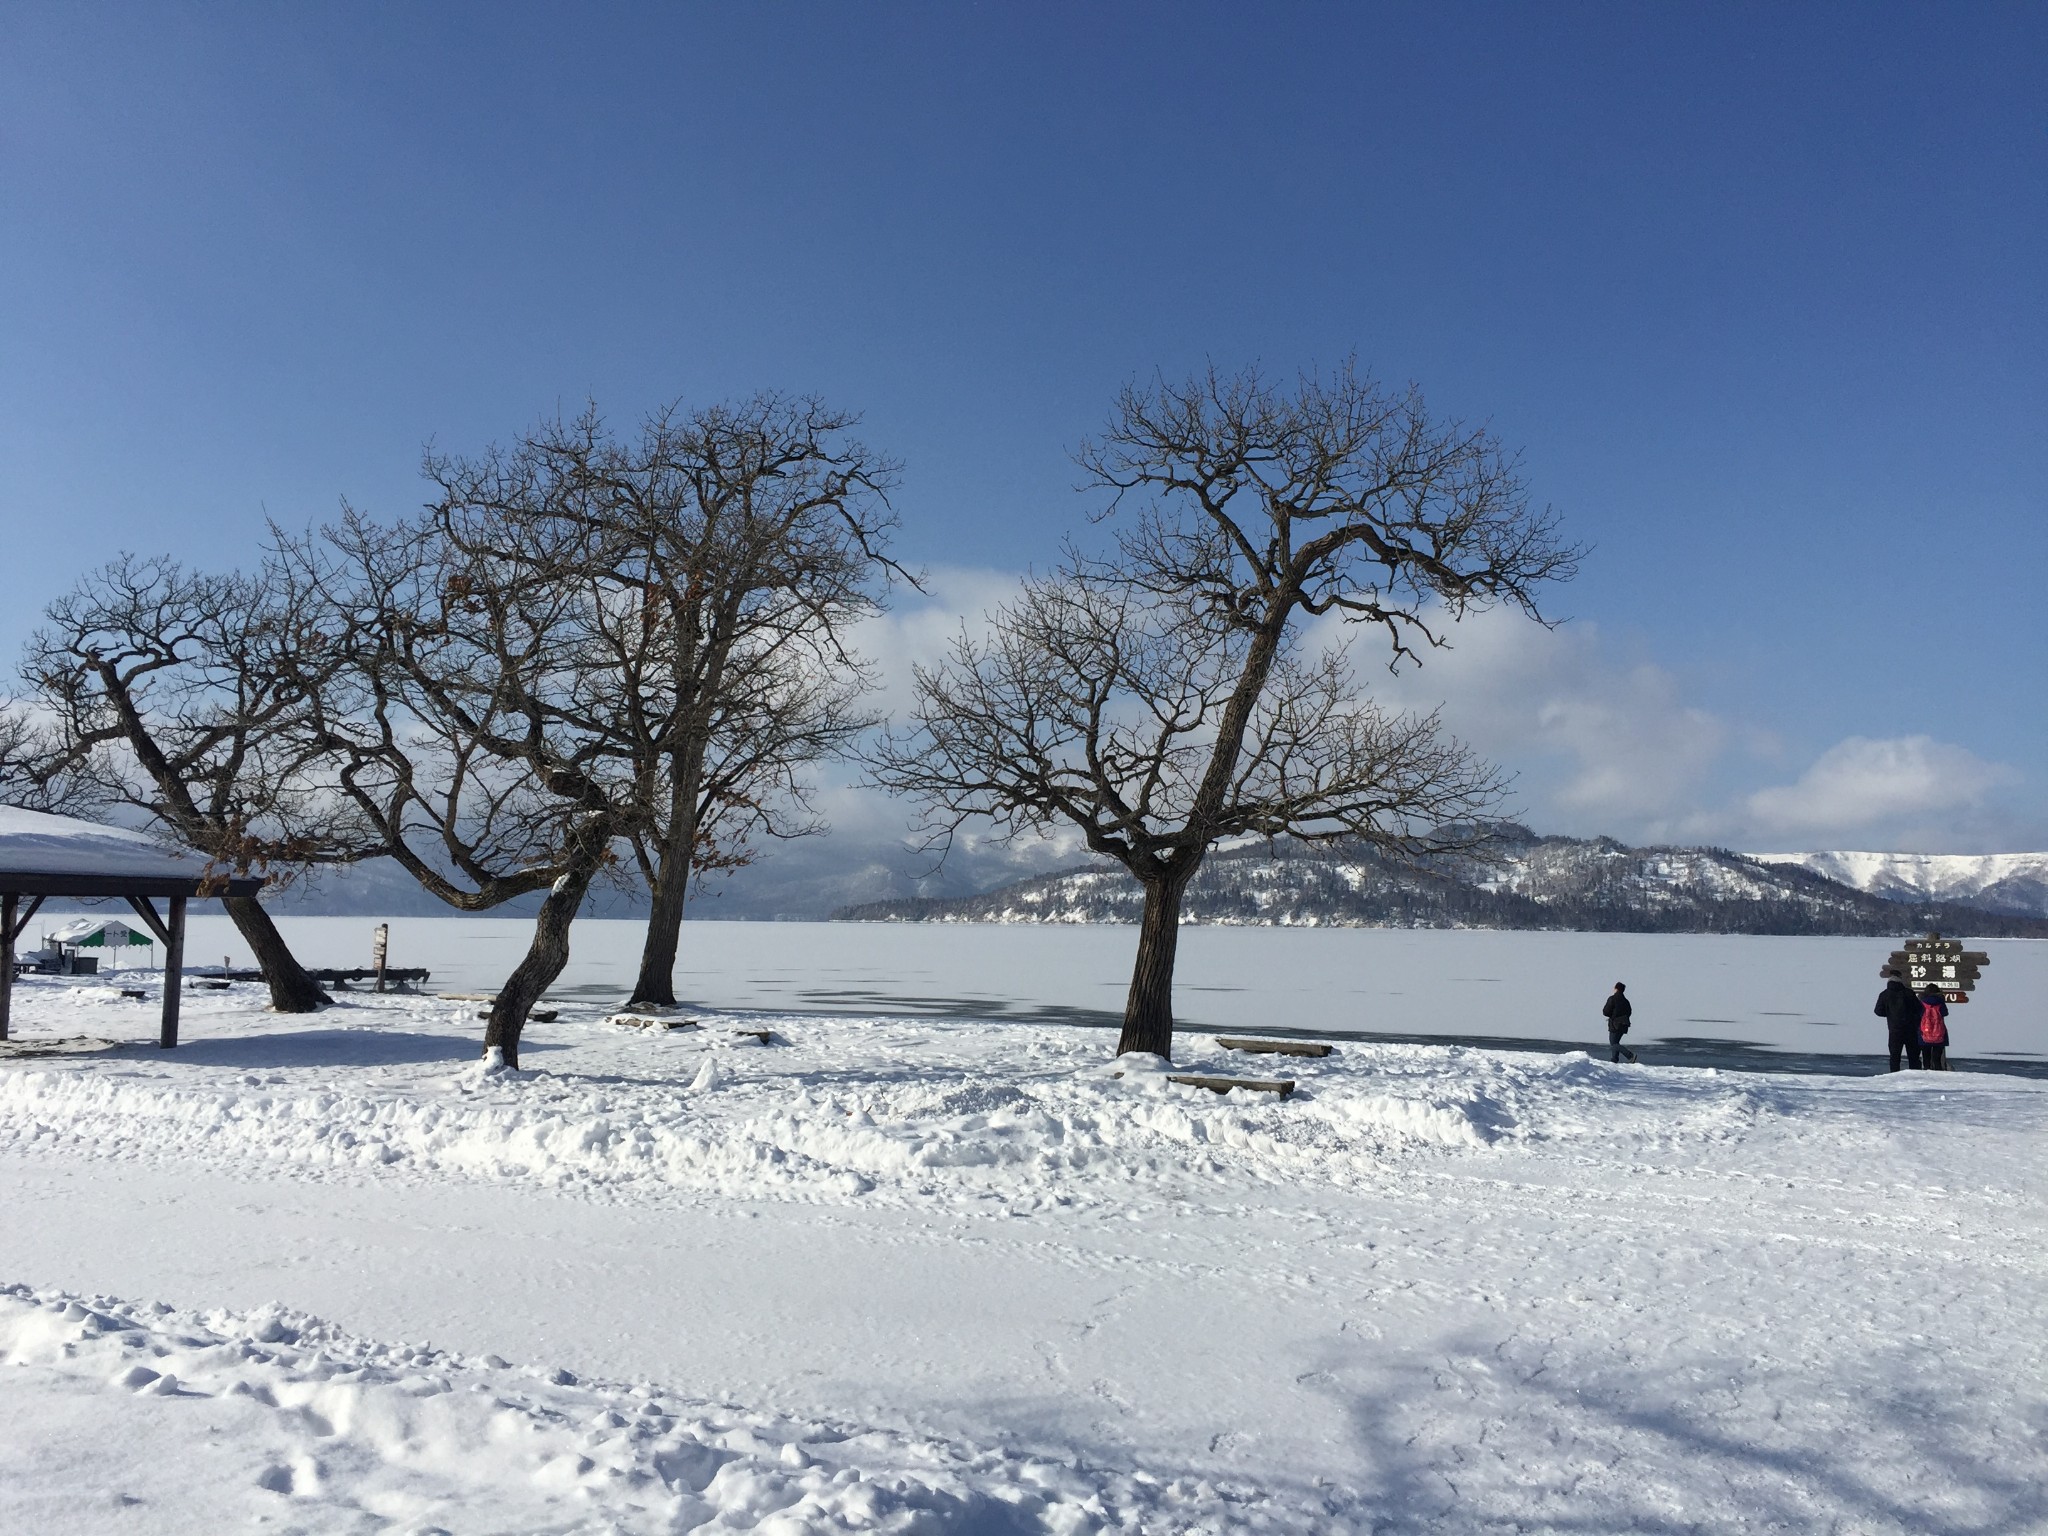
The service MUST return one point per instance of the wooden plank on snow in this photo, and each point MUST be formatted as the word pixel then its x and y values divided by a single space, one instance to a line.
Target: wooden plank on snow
pixel 1274 1047
pixel 1280 1085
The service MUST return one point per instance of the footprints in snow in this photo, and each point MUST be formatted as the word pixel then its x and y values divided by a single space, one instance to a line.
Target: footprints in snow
pixel 300 1479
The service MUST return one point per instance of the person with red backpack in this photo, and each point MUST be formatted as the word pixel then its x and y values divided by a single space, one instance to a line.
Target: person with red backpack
pixel 1934 1029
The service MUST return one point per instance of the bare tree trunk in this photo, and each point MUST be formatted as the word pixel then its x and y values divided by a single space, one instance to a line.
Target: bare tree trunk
pixel 1148 1012
pixel 543 961
pixel 291 989
pixel 656 983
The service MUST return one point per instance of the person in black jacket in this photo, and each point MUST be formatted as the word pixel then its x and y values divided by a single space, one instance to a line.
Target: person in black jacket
pixel 1897 1005
pixel 1934 1053
pixel 1617 1010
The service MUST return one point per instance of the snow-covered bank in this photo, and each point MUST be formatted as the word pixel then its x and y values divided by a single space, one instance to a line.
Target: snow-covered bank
pixel 1438 1289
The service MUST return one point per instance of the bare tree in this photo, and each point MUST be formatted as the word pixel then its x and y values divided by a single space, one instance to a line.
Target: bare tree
pixel 37 774
pixel 722 557
pixel 456 725
pixel 179 694
pixel 1162 698
pixel 779 715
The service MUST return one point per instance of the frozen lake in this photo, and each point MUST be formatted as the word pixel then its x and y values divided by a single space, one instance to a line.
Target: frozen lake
pixel 1709 999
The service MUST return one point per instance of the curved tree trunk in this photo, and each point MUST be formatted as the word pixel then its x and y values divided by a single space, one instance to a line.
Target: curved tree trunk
pixel 1148 1011
pixel 291 989
pixel 542 963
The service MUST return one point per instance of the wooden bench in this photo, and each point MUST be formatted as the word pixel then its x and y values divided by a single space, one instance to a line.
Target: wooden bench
pixel 402 978
pixel 1280 1085
pixel 765 1036
pixel 1274 1047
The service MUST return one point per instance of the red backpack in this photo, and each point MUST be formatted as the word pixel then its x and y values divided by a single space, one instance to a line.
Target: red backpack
pixel 1933 1028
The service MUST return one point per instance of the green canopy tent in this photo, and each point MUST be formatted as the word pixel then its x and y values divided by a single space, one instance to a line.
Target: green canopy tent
pixel 100 933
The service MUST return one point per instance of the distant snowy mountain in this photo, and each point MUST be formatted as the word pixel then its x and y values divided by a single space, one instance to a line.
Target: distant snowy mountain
pixel 1527 882
pixel 2015 883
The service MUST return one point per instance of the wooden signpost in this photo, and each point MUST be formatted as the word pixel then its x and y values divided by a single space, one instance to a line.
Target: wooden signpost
pixel 1944 962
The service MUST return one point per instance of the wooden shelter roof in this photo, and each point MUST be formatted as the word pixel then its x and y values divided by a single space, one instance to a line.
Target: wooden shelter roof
pixel 45 855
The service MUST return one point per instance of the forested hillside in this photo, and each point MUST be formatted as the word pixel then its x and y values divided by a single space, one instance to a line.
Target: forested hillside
pixel 1524 881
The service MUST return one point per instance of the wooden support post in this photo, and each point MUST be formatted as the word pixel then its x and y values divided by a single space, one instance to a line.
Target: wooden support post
pixel 8 903
pixel 146 910
pixel 174 972
pixel 27 912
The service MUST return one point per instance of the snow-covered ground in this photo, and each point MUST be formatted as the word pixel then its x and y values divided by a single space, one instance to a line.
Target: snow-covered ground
pixel 928 1274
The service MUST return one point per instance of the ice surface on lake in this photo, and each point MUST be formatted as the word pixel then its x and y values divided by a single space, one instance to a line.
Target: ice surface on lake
pixel 1787 994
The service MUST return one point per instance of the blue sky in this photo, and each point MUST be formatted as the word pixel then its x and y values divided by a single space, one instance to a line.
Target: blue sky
pixel 1758 291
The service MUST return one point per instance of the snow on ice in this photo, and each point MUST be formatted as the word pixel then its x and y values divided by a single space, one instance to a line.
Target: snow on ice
pixel 937 1275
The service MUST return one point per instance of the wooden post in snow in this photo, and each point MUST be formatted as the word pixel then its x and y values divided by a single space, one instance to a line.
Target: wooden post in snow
pixel 174 973
pixel 8 903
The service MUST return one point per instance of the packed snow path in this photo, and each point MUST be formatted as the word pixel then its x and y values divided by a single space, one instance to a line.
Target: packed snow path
pixel 930 1276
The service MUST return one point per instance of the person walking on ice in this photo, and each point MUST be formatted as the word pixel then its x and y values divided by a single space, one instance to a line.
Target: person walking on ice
pixel 1932 1026
pixel 1900 1010
pixel 1617 1011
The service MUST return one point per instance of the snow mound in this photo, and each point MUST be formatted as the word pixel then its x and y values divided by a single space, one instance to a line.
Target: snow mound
pixel 275 1415
pixel 1456 1123
pixel 833 1120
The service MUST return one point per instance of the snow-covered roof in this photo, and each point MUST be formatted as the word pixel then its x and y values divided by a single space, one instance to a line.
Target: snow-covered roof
pixel 41 853
pixel 109 932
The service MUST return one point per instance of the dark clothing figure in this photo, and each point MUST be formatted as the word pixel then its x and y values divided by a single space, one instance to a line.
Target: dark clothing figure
pixel 1933 1052
pixel 1900 1010
pixel 1616 1010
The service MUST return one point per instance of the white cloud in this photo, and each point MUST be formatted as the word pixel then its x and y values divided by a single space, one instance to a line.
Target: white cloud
pixel 1862 783
pixel 920 627
pixel 1599 742
pixel 872 831
pixel 1602 744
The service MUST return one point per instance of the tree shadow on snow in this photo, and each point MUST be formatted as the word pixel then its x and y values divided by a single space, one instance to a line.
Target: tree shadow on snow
pixel 339 1048
pixel 1470 1441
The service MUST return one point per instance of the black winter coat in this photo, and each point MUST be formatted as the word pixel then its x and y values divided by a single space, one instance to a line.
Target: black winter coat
pixel 1616 1010
pixel 1898 1004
